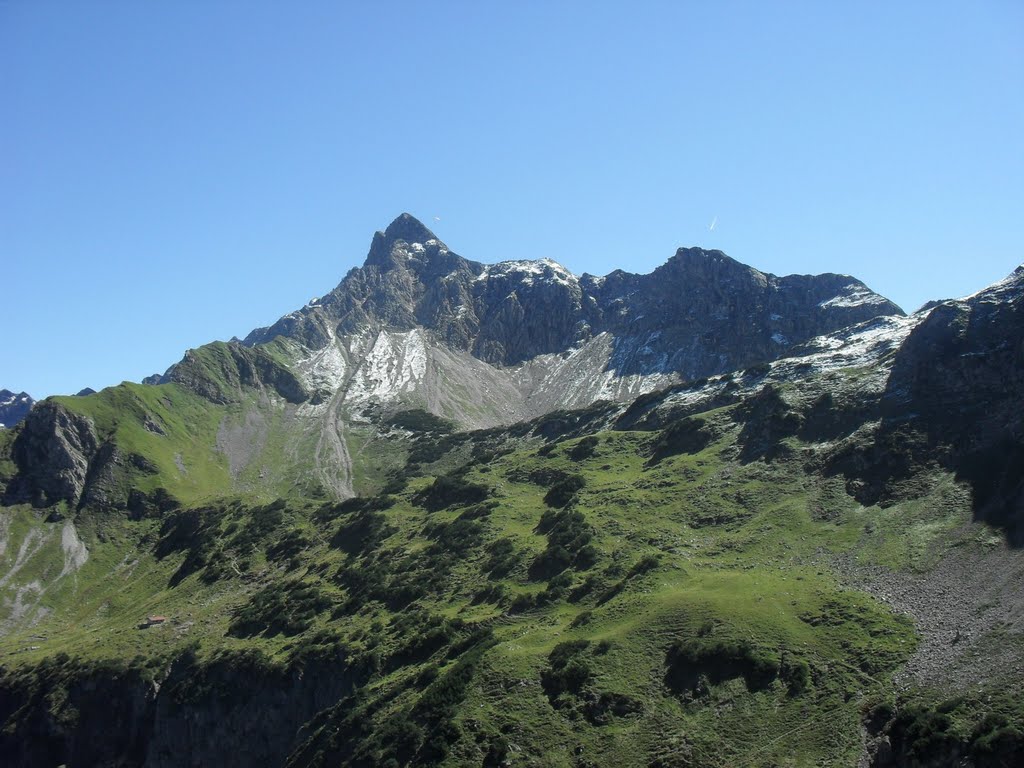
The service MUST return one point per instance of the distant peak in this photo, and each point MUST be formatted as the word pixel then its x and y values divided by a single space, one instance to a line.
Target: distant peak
pixel 700 253
pixel 408 228
pixel 699 260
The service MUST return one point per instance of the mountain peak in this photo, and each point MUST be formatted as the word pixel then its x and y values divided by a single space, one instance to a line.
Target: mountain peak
pixel 408 228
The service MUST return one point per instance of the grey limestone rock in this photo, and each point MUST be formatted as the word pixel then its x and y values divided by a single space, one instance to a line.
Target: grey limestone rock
pixel 53 452
pixel 699 314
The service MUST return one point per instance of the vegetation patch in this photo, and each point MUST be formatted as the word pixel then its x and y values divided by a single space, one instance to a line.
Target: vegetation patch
pixel 569 538
pixel 563 491
pixel 282 608
pixel 687 436
pixel 449 491
pixel 695 664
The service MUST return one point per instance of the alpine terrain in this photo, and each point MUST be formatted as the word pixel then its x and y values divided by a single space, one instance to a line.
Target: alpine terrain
pixel 14 407
pixel 452 513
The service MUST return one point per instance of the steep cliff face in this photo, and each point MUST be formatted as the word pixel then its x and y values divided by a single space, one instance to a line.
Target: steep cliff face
pixel 698 314
pixel 52 452
pixel 221 372
pixel 550 339
pixel 953 400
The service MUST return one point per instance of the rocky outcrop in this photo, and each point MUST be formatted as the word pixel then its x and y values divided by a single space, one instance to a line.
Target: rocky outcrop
pixel 14 407
pixel 958 381
pixel 953 400
pixel 52 452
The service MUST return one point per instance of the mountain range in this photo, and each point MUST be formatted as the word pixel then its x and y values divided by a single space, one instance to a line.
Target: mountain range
pixel 452 513
pixel 419 327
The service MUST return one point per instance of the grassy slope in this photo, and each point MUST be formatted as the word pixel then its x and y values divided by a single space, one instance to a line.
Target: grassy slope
pixel 190 426
pixel 730 555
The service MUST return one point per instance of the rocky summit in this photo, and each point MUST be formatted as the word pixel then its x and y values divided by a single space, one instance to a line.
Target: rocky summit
pixel 462 514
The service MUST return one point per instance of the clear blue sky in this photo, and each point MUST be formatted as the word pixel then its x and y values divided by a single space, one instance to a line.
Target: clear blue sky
pixel 177 172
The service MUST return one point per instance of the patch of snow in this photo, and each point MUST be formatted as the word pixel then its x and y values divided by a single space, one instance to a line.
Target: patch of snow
pixel 853 296
pixel 528 271
pixel 778 338
pixel 996 292
pixel 434 243
pixel 396 364
pixel 859 345
pixel 324 369
pixel 693 396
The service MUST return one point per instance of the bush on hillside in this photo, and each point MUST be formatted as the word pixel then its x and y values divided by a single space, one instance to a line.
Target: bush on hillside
pixel 449 491
pixel 564 491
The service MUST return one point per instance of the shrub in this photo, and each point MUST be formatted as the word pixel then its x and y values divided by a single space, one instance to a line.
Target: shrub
pixel 688 436
pixel 600 709
pixel 522 603
pixel 458 537
pixel 581 619
pixel 796 674
pixel 585 448
pixel 363 532
pixel 569 537
pixel 503 558
pixel 567 672
pixel 289 547
pixel 262 522
pixel 643 565
pixel 419 420
pixel 430 448
pixel 357 504
pixel 564 491
pixel 718 660
pixel 283 608
pixel 451 490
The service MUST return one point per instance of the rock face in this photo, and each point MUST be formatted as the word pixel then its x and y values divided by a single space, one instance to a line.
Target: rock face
pixel 957 385
pixel 556 340
pixel 53 452
pixel 699 313
pixel 14 407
